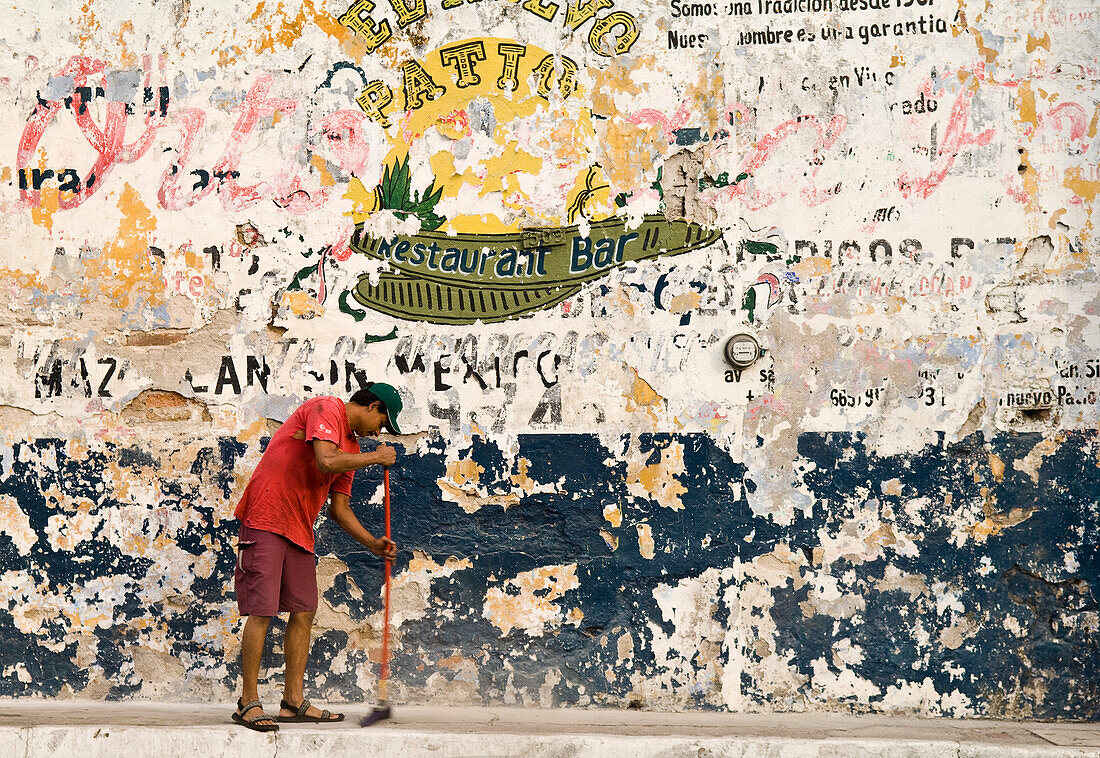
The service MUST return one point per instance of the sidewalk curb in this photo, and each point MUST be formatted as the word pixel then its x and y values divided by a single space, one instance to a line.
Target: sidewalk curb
pixel 232 741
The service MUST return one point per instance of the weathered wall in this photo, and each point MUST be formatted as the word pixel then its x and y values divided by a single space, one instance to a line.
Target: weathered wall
pixel 542 220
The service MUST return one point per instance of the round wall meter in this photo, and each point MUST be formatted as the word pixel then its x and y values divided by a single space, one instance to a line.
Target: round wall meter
pixel 741 351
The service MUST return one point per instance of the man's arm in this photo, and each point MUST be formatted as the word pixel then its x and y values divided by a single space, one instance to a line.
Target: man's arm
pixel 332 460
pixel 340 509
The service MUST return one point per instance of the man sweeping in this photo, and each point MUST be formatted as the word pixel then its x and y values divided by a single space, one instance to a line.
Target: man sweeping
pixel 309 460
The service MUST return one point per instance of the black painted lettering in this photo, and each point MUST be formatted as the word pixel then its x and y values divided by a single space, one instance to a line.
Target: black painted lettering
pixel 470 372
pixel 440 386
pixel 112 365
pixel 350 372
pixel 960 242
pixel 257 371
pixel 227 374
pixel 49 385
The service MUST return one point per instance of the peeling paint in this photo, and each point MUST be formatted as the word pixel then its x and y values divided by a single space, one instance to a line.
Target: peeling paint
pixel 526 600
pixel 543 223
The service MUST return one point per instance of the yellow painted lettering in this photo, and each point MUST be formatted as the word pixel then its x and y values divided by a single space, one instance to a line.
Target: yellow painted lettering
pixel 357 18
pixel 406 14
pixel 418 84
pixel 603 28
pixel 464 57
pixel 374 97
pixel 509 73
pixel 579 14
pixel 545 12
pixel 567 78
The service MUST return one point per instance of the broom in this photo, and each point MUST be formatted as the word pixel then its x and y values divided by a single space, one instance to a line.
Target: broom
pixel 382 710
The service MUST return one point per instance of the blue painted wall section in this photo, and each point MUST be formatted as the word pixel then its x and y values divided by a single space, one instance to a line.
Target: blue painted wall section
pixel 989 617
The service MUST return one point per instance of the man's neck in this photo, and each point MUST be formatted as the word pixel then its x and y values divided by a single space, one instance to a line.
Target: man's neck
pixel 349 412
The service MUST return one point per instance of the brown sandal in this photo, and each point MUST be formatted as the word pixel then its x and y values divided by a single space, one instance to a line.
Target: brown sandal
pixel 300 716
pixel 256 722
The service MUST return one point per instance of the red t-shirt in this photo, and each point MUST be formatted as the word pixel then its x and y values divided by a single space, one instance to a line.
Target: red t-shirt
pixel 287 490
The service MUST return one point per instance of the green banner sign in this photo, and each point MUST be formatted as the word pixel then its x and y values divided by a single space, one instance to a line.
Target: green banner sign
pixel 533 258
pixel 462 278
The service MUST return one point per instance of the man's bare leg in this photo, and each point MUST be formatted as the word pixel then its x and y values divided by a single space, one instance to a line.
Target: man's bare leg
pixel 299 629
pixel 252 650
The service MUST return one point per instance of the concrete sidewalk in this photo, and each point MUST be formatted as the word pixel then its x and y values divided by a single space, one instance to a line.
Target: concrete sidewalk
pixel 136 730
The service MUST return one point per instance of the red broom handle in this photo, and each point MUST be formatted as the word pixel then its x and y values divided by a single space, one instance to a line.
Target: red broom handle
pixel 385 669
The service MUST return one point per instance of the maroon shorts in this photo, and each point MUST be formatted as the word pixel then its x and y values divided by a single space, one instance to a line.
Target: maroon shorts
pixel 273 575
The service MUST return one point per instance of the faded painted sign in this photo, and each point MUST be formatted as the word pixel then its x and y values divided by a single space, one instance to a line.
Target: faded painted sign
pixel 543 220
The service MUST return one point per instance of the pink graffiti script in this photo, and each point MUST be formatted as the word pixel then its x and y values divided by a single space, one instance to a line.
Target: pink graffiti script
pixel 182 185
pixel 107 140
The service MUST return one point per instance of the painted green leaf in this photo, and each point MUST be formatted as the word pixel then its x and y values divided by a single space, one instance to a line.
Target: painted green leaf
pixel 394 194
pixel 296 283
pixel 355 313
pixel 748 303
pixel 760 248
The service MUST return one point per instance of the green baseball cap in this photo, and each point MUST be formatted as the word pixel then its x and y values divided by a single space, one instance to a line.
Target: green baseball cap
pixel 389 397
